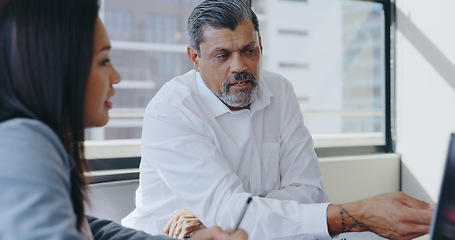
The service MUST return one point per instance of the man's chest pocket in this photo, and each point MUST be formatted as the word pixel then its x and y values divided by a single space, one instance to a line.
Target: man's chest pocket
pixel 270 164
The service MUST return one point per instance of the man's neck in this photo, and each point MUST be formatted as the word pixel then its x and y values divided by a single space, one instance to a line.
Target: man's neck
pixel 239 108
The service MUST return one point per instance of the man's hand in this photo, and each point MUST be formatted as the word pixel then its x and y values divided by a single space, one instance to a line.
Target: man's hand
pixel 215 233
pixel 393 215
pixel 182 224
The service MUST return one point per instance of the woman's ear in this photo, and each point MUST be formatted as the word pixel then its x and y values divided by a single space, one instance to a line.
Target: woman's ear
pixel 194 57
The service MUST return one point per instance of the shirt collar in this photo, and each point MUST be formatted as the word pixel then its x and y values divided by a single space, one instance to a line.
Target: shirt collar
pixel 211 101
pixel 218 108
pixel 264 96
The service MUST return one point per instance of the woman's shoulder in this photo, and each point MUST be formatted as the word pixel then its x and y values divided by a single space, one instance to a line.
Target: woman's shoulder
pixel 26 132
pixel 35 175
pixel 30 143
pixel 25 126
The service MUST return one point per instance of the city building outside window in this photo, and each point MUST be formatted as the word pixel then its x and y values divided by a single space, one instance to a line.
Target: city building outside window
pixel 332 51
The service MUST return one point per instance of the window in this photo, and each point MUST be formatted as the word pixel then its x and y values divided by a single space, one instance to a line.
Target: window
pixel 149 40
pixel 336 53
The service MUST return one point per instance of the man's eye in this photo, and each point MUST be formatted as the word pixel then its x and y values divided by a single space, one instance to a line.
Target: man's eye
pixel 250 50
pixel 221 56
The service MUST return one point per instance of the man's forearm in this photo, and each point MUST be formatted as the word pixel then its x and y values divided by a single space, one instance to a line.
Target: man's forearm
pixel 302 194
pixel 390 215
pixel 344 218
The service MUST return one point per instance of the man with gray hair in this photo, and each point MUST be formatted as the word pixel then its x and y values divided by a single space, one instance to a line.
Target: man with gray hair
pixel 227 131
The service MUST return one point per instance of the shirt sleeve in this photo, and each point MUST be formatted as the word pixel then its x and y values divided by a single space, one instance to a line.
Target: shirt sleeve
pixel 109 230
pixel 35 185
pixel 301 177
pixel 201 178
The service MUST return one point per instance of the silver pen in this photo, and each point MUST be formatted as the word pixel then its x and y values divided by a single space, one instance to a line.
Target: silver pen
pixel 241 215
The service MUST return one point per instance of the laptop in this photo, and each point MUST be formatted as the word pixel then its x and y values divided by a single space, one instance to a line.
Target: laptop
pixel 443 221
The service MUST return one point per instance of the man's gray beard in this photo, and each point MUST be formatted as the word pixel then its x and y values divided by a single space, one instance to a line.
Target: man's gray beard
pixel 235 100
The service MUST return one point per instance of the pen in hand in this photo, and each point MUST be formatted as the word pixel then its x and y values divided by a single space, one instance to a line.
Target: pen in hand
pixel 241 215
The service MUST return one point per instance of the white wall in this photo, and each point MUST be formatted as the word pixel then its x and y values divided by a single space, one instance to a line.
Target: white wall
pixel 352 178
pixel 425 79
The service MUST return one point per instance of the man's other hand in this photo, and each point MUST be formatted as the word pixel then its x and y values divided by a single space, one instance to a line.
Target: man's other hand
pixel 182 224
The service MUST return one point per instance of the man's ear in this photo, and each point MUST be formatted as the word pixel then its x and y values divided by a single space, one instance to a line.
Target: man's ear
pixel 260 42
pixel 194 57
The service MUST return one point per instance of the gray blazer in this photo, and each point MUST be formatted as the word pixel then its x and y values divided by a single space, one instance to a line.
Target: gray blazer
pixel 35 188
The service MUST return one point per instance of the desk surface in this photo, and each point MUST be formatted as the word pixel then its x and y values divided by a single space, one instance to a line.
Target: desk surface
pixel 369 236
pixel 360 236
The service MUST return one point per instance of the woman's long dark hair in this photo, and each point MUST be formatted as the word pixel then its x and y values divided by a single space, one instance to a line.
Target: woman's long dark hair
pixel 45 57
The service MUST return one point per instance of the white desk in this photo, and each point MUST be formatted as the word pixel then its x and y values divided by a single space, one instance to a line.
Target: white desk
pixel 360 236
pixel 370 236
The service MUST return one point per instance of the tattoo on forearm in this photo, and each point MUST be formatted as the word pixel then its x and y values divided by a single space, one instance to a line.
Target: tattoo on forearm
pixel 344 212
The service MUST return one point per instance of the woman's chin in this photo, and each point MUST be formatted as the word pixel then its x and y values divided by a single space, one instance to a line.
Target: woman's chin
pixel 99 122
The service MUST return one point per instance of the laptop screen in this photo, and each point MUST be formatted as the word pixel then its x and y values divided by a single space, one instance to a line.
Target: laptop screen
pixel 443 225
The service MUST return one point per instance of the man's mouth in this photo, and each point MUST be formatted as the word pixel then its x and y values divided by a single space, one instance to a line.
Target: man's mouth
pixel 240 83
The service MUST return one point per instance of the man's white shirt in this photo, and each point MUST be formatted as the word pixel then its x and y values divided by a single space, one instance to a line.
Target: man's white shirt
pixel 200 155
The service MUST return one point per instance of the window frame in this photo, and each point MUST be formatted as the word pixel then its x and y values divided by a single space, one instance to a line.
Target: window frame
pixel 389 98
pixel 113 160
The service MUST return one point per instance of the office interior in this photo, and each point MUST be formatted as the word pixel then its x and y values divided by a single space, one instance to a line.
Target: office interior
pixel 402 145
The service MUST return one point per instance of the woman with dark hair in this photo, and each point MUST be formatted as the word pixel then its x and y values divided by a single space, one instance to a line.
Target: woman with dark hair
pixel 55 80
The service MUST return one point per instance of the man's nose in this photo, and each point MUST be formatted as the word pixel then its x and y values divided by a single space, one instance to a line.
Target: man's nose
pixel 238 63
